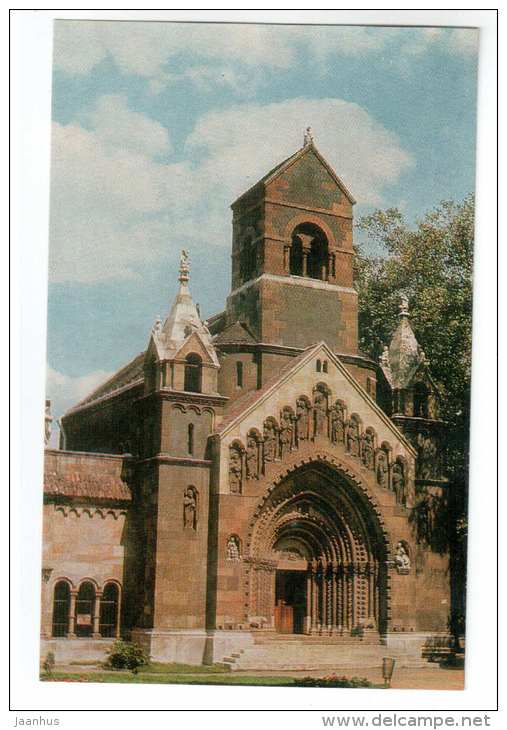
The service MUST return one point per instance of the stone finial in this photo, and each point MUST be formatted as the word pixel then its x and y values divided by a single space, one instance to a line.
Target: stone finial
pixel 384 358
pixel 157 326
pixel 404 306
pixel 308 138
pixel 184 266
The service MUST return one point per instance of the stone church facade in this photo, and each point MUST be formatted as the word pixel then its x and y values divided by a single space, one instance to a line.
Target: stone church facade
pixel 253 475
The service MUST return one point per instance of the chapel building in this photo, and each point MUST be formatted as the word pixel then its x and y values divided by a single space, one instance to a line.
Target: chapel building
pixel 252 476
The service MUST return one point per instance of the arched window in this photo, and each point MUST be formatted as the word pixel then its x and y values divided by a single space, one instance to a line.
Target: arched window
pixel 61 608
pixel 309 253
pixel 319 366
pixel 109 606
pixel 324 366
pixel 420 400
pixel 239 374
pixel 85 609
pixel 190 439
pixel 193 373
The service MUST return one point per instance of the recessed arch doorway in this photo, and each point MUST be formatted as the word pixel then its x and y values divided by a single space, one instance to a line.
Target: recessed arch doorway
pixel 318 555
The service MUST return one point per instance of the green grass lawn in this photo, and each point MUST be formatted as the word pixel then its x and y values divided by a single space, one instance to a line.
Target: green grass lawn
pixel 158 673
pixel 171 677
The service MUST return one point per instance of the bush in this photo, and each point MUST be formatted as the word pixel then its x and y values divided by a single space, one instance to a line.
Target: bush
pixel 126 655
pixel 333 680
pixel 49 663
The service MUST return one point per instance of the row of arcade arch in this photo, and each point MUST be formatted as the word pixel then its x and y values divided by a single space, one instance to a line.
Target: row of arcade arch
pixel 86 611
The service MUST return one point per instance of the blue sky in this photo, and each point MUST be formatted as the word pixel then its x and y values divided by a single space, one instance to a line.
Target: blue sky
pixel 159 126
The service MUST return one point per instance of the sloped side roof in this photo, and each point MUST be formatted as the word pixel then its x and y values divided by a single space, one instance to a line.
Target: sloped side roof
pixel 237 333
pixel 105 487
pixel 130 374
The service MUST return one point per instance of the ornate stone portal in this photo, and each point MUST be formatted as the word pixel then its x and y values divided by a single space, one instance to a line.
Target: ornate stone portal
pixel 319 515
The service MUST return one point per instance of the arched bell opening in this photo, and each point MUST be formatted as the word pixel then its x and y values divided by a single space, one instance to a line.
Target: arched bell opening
pixel 322 538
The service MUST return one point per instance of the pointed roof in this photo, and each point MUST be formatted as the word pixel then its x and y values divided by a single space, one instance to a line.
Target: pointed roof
pixel 401 360
pixel 183 321
pixel 308 147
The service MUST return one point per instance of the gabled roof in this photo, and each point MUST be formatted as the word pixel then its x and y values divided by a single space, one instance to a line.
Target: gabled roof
pixel 247 403
pixel 282 166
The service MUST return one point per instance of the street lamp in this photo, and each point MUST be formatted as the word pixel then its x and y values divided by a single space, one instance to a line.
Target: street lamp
pixel 387 669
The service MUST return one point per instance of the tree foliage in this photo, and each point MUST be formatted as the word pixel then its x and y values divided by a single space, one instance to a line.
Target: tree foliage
pixel 432 263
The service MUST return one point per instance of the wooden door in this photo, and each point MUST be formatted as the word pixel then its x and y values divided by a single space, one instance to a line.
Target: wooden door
pixel 284 618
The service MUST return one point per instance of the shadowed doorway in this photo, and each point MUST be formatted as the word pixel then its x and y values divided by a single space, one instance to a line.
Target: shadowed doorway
pixel 290 601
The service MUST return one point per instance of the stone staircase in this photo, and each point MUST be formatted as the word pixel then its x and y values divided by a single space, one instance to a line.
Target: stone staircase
pixel 278 652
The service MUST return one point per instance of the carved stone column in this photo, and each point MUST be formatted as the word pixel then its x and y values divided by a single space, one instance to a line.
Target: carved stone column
pixel 334 588
pixel 315 598
pixel 96 616
pixel 309 587
pixel 306 251
pixel 72 615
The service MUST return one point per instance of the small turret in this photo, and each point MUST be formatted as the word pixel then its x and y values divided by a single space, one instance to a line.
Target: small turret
pixel 414 396
pixel 181 355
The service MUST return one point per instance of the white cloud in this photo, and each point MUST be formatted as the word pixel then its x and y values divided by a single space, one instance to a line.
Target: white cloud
pixel 65 391
pixel 116 125
pixel 242 143
pixel 158 51
pixel 115 208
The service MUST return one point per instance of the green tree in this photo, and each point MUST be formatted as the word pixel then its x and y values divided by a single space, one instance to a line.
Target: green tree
pixel 432 264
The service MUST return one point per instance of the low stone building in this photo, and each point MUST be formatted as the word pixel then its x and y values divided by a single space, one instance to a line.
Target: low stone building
pixel 252 476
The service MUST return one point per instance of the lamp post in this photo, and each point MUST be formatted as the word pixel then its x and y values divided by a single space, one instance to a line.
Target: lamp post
pixel 387 669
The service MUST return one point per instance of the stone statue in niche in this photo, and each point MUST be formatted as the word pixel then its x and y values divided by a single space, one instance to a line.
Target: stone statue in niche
pixel 252 458
pixel 235 470
pixel 401 558
pixel 233 549
pixel 319 413
pixel 368 450
pixel 382 469
pixel 270 441
pixel 286 432
pixel 190 508
pixel 398 483
pixel 302 419
pixel 337 419
pixel 352 441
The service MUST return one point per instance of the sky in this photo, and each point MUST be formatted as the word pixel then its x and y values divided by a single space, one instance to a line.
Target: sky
pixel 158 127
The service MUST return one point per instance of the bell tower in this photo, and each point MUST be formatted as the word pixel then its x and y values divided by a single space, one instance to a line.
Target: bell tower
pixel 292 256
